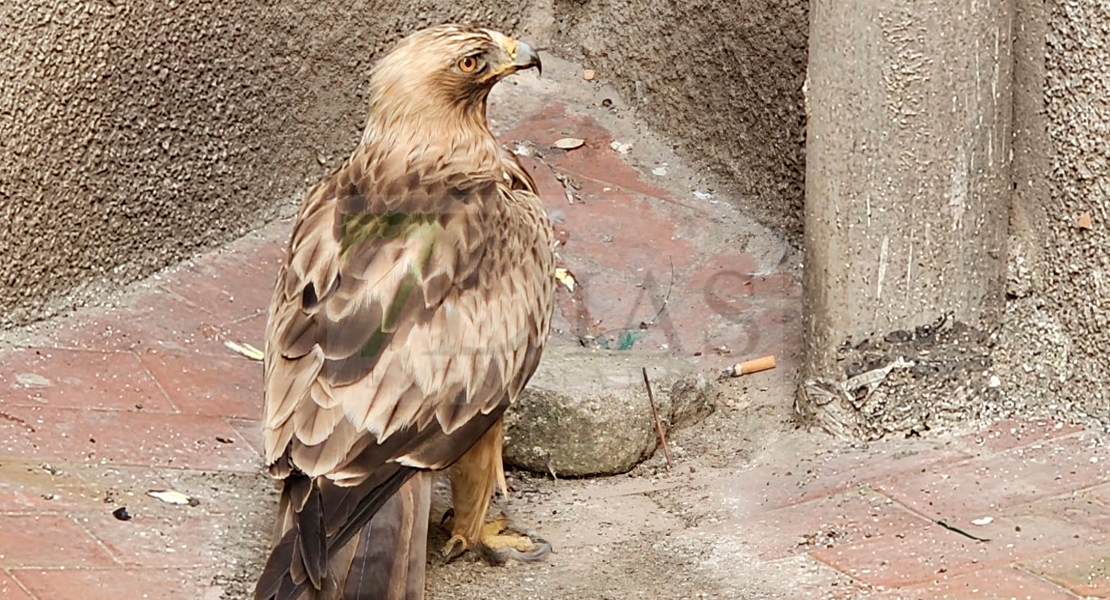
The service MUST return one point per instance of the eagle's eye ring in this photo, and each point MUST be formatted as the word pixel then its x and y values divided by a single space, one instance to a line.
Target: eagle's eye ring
pixel 468 64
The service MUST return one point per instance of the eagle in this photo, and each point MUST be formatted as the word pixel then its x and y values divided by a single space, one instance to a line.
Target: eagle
pixel 411 309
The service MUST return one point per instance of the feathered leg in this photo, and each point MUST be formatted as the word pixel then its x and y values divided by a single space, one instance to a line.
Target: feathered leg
pixel 473 479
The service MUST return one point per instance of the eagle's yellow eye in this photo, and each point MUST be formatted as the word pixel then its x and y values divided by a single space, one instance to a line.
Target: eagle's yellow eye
pixel 468 64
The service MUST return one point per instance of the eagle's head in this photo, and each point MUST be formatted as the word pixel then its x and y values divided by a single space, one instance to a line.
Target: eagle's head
pixel 445 74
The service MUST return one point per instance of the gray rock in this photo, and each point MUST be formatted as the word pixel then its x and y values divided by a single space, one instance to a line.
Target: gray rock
pixel 589 412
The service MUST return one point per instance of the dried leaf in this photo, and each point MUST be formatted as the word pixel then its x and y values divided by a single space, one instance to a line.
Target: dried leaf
pixel 1085 221
pixel 246 350
pixel 589 74
pixel 565 277
pixel 172 497
pixel 568 143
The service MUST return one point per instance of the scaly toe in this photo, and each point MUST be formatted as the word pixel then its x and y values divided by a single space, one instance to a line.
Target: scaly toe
pixel 523 549
pixel 454 548
pixel 502 541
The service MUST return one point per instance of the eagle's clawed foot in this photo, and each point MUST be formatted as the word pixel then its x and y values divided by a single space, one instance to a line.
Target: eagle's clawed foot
pixel 498 542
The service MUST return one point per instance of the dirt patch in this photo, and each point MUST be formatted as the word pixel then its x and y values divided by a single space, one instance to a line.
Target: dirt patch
pixel 907 382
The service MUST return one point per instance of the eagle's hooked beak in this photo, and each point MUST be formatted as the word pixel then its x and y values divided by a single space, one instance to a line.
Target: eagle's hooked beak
pixel 521 56
pixel 527 58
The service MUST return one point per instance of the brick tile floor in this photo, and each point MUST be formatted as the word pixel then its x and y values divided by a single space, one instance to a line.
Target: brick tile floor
pixel 112 584
pixel 1004 583
pixel 10 590
pixel 1083 569
pixel 101 406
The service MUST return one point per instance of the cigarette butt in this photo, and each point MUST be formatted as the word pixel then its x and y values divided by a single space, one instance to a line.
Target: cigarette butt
pixel 753 366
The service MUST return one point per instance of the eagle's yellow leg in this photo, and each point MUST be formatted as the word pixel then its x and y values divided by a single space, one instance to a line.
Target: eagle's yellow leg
pixel 473 479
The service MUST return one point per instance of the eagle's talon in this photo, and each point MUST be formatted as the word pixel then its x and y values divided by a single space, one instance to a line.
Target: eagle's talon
pixel 501 540
pixel 454 548
pixel 497 557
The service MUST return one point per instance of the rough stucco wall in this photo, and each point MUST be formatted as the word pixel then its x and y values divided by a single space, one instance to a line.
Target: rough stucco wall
pixel 136 133
pixel 723 79
pixel 1078 259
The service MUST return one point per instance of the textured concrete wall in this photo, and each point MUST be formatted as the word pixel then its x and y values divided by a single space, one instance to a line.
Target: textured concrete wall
pixel 1052 355
pixel 908 185
pixel 1077 257
pixel 722 78
pixel 135 133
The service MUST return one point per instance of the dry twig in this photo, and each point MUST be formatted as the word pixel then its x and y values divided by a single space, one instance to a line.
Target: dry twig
pixel 658 423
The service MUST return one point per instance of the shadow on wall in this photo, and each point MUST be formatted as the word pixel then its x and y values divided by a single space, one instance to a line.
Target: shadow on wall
pixel 723 79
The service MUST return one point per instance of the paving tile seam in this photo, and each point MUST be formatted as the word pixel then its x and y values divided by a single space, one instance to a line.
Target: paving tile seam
pixel 980 564
pixel 67 513
pixel 164 289
pixel 876 485
pixel 136 466
pixel 99 543
pixel 851 578
pixel 161 388
pixel 925 521
pixel 10 572
pixel 242 438
pixel 93 409
pixel 152 569
pixel 1020 568
pixel 174 469
pixel 40 346
pixel 132 350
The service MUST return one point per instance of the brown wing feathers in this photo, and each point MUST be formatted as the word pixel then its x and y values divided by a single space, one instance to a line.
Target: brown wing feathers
pixel 329 400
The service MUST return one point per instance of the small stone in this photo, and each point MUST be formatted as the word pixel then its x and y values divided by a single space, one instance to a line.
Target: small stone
pixel 587 412
pixel 1085 221
pixel 589 74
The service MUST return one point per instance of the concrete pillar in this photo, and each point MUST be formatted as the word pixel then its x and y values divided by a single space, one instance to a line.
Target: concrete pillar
pixel 907 180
